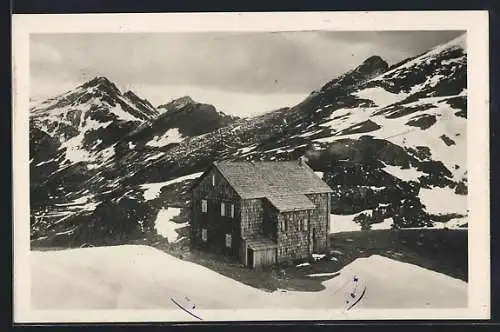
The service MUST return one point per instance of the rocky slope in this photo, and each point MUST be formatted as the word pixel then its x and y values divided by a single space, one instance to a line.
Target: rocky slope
pixel 390 141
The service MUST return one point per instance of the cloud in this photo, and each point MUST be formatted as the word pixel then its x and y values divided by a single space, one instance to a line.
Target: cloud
pixel 281 63
pixel 41 53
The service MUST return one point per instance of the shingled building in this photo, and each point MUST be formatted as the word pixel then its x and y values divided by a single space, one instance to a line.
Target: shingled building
pixel 261 212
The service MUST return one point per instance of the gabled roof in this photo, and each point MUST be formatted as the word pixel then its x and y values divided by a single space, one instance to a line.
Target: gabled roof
pixel 272 179
pixel 291 203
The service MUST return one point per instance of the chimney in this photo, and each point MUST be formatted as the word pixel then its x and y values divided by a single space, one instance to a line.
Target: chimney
pixel 302 160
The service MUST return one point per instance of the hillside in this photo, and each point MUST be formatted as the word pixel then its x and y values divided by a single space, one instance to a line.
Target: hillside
pixel 390 141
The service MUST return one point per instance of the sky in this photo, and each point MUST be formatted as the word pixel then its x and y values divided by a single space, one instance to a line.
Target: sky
pixel 240 73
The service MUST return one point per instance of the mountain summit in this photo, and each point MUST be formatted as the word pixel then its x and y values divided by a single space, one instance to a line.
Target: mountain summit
pixel 370 68
pixel 102 83
pixel 182 118
pixel 373 66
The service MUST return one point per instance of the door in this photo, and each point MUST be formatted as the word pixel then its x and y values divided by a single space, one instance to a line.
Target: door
pixel 314 241
pixel 250 257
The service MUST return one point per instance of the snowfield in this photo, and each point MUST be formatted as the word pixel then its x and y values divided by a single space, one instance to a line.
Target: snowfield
pixel 141 277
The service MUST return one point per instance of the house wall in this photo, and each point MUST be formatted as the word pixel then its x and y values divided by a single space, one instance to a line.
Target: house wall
pixel 296 243
pixel 252 214
pixel 320 220
pixel 217 226
pixel 270 222
pixel 293 242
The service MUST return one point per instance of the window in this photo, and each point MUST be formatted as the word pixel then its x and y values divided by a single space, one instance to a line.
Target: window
pixel 204 235
pixel 305 225
pixel 222 209
pixel 228 240
pixel 213 180
pixel 204 205
pixel 284 225
pixel 232 211
pixel 301 224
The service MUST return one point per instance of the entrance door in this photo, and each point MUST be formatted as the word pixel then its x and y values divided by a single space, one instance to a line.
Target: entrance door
pixel 315 241
pixel 250 257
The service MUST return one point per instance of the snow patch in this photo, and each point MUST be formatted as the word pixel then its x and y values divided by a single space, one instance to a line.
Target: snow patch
pixel 443 200
pixel 386 224
pixel 457 223
pixel 326 274
pixel 380 96
pixel 247 149
pixel 164 225
pixel 317 257
pixel 409 174
pixel 155 156
pixel 44 162
pixel 123 115
pixel 343 223
pixel 170 137
pixel 153 189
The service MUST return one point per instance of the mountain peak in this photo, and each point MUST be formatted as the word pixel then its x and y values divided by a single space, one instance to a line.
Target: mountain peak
pixel 368 69
pixel 102 82
pixel 374 65
pixel 178 103
pixel 184 100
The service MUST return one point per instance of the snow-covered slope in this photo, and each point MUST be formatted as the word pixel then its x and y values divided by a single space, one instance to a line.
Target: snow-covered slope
pixel 140 277
pixel 88 121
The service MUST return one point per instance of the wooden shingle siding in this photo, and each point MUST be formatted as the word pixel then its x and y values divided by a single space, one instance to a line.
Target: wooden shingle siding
pixel 319 220
pixel 252 215
pixel 293 243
